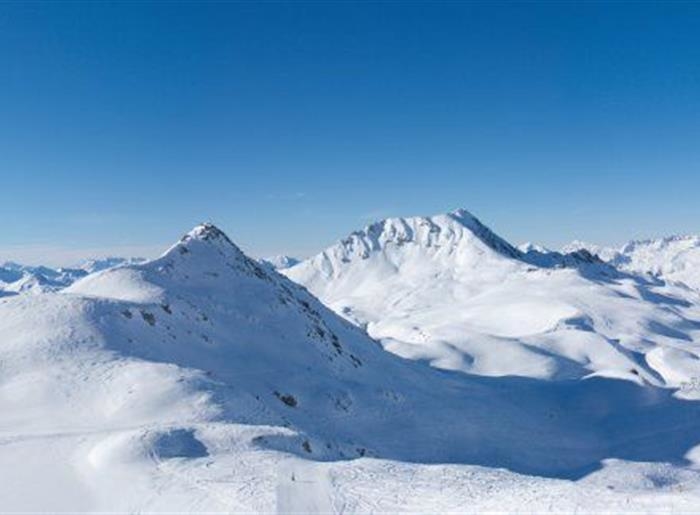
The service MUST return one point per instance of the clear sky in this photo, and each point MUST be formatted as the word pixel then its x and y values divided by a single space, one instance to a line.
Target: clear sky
pixel 290 124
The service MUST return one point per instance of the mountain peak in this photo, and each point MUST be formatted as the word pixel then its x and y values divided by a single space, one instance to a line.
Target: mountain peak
pixel 206 231
pixel 204 258
pixel 462 214
pixel 444 230
pixel 206 249
pixel 421 245
pixel 207 236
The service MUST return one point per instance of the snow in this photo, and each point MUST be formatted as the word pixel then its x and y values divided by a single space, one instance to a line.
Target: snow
pixel 448 291
pixel 97 265
pixel 675 258
pixel 280 262
pixel 16 278
pixel 205 382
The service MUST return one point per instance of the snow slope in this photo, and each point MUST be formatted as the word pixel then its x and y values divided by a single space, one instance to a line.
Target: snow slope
pixel 675 258
pixel 202 381
pixel 447 290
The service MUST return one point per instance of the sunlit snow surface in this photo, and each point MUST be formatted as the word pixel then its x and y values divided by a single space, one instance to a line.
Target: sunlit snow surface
pixel 203 381
pixel 448 291
pixel 675 258
pixel 16 278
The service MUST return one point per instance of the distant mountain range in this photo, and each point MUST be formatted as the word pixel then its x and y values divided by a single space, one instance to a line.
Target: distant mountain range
pixel 16 278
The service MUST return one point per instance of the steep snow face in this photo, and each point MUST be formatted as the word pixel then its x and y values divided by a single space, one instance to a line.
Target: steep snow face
pixel 408 254
pixel 280 262
pixel 208 279
pixel 202 381
pixel 448 291
pixel 459 234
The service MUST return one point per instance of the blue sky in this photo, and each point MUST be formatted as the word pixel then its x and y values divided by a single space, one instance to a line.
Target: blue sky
pixel 290 124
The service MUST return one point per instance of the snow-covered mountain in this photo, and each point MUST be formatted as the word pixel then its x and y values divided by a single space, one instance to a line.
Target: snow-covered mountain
pixel 99 264
pixel 16 278
pixel 280 262
pixel 203 381
pixel 607 254
pixel 676 258
pixel 447 290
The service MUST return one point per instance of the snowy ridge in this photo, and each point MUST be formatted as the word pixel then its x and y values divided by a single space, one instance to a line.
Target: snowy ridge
pixel 453 229
pixel 676 258
pixel 97 265
pixel 458 238
pixel 687 240
pixel 203 381
pixel 461 298
pixel 16 278
pixel 604 253
pixel 581 258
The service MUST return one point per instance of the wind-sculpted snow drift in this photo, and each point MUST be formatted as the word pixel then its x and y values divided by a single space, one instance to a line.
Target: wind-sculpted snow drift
pixel 203 381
